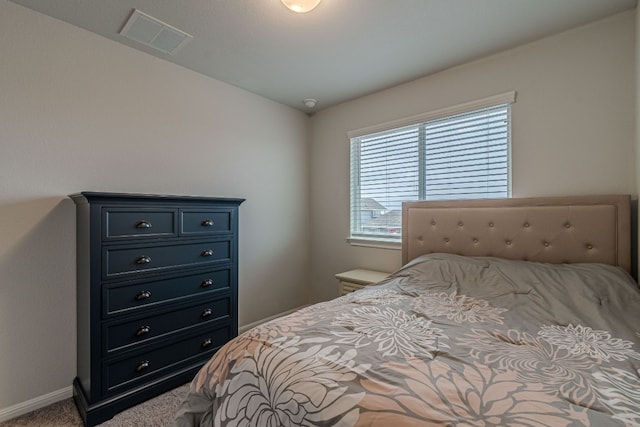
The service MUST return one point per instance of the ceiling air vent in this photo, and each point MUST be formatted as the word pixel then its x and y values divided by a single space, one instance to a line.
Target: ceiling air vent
pixel 154 33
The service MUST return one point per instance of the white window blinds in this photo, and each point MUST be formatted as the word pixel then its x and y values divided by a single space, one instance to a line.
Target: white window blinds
pixel 466 157
pixel 463 156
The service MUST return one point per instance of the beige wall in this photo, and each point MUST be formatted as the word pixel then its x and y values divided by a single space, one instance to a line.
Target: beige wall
pixel 573 130
pixel 79 112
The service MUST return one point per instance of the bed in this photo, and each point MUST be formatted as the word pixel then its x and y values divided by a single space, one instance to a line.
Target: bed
pixel 505 312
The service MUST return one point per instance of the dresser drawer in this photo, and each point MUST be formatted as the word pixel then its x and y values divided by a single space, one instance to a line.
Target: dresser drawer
pixel 122 223
pixel 145 329
pixel 203 222
pixel 144 366
pixel 121 261
pixel 119 298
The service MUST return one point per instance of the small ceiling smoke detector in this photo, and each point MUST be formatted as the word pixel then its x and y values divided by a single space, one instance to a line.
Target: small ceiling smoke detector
pixel 309 102
pixel 154 33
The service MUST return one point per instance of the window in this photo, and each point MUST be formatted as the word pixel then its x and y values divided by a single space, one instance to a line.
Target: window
pixel 452 156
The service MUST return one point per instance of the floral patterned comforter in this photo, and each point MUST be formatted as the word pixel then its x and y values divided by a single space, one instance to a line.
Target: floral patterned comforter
pixel 446 340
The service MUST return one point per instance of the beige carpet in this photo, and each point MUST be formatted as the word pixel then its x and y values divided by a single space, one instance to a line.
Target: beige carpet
pixel 157 412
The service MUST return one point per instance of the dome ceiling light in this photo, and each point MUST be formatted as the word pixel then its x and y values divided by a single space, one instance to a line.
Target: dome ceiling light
pixel 300 6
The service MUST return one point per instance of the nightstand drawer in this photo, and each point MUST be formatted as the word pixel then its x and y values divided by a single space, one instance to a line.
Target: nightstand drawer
pixel 353 280
pixel 349 287
pixel 121 223
pixel 203 222
pixel 151 364
pixel 136 295
pixel 145 329
pixel 120 261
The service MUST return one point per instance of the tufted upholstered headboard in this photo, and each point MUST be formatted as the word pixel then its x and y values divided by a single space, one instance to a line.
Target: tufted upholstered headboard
pixel 548 229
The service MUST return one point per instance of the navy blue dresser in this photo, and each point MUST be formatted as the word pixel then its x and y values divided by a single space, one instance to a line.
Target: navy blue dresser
pixel 157 294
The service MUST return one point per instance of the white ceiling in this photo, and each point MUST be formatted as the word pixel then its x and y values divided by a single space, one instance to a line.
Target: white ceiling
pixel 341 50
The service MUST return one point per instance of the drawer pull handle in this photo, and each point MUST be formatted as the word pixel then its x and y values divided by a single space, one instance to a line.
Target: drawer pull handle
pixel 207 252
pixel 142 366
pixel 206 343
pixel 208 312
pixel 207 283
pixel 143 295
pixel 207 223
pixel 143 260
pixel 143 330
pixel 143 224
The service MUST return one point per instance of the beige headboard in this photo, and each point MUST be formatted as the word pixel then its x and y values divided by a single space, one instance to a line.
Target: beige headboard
pixel 550 229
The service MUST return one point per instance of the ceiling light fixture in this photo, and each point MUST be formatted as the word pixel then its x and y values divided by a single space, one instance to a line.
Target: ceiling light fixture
pixel 301 6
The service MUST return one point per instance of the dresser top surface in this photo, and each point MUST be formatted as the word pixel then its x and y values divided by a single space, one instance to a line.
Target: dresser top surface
pixel 95 196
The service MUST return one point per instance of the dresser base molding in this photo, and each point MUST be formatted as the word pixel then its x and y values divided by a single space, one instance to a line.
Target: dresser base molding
pixel 106 409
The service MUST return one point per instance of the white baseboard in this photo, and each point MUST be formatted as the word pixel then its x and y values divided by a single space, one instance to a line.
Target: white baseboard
pixel 67 392
pixel 35 403
pixel 245 328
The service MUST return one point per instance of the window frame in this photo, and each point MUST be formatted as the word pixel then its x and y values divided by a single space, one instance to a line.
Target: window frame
pixel 389 242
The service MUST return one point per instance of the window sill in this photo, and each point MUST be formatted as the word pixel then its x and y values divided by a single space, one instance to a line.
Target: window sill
pixel 379 243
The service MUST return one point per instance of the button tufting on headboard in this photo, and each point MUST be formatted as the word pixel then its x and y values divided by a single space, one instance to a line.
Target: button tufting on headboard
pixel 555 229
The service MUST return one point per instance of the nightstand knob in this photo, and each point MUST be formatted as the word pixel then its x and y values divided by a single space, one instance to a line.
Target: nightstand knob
pixel 207 283
pixel 206 253
pixel 143 260
pixel 142 330
pixel 142 366
pixel 143 224
pixel 207 223
pixel 206 343
pixel 143 295
pixel 208 312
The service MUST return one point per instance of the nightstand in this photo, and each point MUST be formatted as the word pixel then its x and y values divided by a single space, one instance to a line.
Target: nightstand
pixel 357 279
